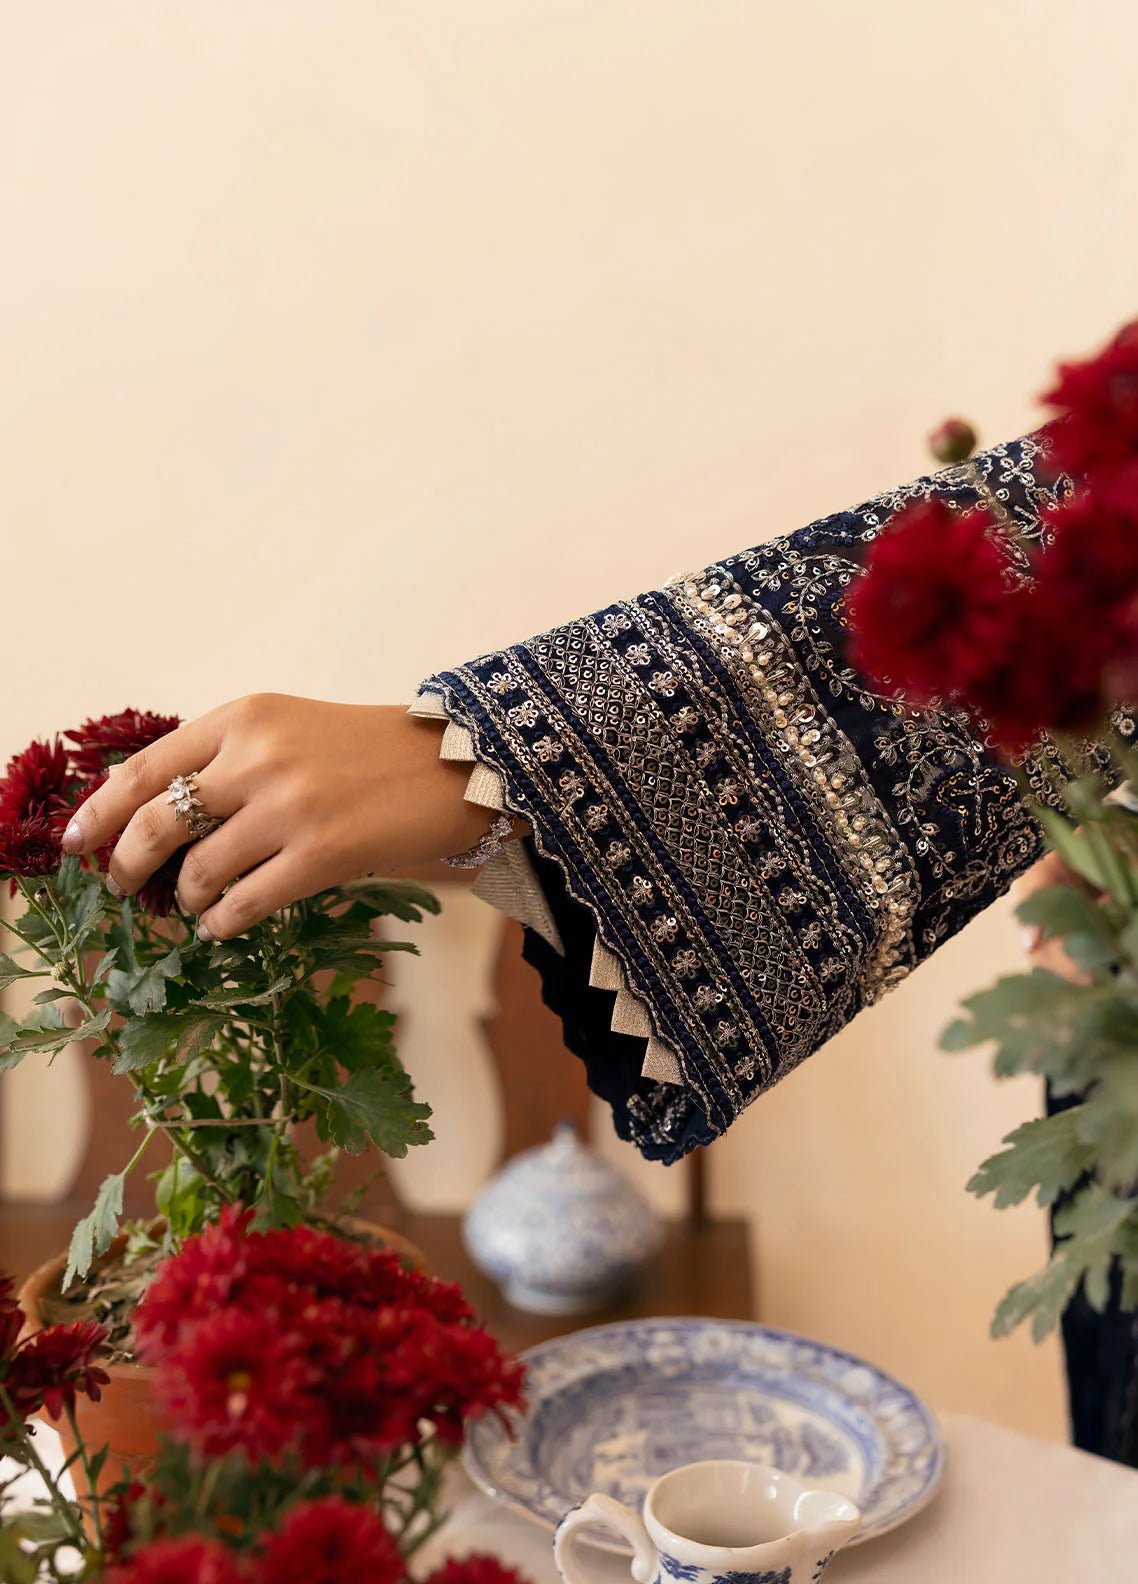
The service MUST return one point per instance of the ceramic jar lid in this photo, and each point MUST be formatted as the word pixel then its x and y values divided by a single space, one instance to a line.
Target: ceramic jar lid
pixel 559 1228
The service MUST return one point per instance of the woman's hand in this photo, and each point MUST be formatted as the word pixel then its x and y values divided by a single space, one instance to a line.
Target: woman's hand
pixel 312 795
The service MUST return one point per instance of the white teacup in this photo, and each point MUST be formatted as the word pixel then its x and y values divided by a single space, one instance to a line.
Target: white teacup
pixel 718 1523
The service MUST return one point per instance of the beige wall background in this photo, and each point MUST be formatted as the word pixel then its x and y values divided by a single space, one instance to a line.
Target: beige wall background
pixel 342 340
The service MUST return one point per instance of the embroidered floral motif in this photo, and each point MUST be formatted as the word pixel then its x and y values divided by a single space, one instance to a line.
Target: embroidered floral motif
pixel 572 785
pixel 523 714
pixel 618 854
pixel 665 929
pixel 638 654
pixel 500 683
pixel 705 753
pixel 547 749
pixel 642 891
pixel 685 719
pixel 613 623
pixel 597 817
pixel 664 683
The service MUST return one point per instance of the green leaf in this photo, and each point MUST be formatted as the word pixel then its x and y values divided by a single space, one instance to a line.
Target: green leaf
pixel 1064 910
pixel 1074 847
pixel 378 1105
pixel 10 1054
pixel 94 1234
pixel 1047 1154
pixel 244 995
pixel 57 1036
pixel 358 1036
pixel 87 916
pixel 1044 1296
pixel 41 1523
pixel 46 1018
pixel 1108 1120
pixel 143 990
pixel 1091 1229
pixel 146 1040
pixel 11 971
pixel 16 1565
pixel 1068 914
pixel 105 964
pixel 179 1196
pixel 401 899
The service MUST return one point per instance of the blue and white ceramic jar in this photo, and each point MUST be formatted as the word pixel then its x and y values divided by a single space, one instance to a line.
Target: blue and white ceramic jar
pixel 560 1229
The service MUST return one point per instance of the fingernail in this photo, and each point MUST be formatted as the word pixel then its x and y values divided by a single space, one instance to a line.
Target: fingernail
pixel 204 932
pixel 72 838
pixel 1029 937
pixel 114 888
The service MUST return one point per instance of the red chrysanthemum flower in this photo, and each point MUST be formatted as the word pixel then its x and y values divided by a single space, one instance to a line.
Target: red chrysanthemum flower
pixel 477 1568
pixel 187 1561
pixel 119 1519
pixel 30 847
pixel 109 740
pixel 37 782
pixel 156 895
pixel 297 1344
pixel 1096 433
pixel 200 1279
pixel 930 601
pixel 235 1384
pixel 56 1364
pixel 1091 557
pixel 330 1542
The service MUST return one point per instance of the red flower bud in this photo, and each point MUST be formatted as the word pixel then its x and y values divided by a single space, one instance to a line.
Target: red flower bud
pixel 953 441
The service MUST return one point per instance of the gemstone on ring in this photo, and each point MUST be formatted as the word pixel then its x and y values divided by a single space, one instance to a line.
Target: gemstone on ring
pixel 188 806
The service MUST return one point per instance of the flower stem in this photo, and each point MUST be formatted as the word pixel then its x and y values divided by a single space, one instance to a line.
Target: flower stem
pixel 59 1501
pixel 88 1474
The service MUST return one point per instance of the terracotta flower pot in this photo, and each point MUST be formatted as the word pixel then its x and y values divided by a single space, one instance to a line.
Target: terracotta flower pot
pixel 124 1419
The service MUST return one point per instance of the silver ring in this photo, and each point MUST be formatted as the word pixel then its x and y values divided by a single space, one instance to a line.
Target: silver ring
pixel 188 806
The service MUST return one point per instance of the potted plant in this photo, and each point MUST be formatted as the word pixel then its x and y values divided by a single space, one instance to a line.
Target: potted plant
pixel 231 1048
pixel 1037 643
pixel 309 1388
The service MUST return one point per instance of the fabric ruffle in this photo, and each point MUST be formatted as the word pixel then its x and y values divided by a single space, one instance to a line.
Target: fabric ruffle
pixel 509 883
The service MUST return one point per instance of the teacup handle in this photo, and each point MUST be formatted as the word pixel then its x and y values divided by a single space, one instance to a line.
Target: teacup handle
pixel 603 1509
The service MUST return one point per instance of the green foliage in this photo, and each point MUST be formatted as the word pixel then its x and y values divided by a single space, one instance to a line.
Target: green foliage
pixel 375 1105
pixel 1093 1230
pixel 1047 1155
pixel 1082 1036
pixel 229 1046
pixel 94 1234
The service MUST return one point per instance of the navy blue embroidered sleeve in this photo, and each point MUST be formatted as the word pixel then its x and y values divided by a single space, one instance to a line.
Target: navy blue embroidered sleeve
pixel 757 844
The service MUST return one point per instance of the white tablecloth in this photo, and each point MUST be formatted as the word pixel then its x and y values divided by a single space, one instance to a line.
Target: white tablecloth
pixel 1010 1509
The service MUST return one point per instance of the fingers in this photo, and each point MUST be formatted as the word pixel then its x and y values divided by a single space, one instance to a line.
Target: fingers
pixel 271 886
pixel 138 780
pixel 216 860
pixel 153 832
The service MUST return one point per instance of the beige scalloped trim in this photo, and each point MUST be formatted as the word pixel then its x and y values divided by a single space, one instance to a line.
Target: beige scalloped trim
pixel 509 883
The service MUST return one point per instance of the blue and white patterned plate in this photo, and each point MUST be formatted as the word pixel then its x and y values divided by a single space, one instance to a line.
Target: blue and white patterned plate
pixel 613 1408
